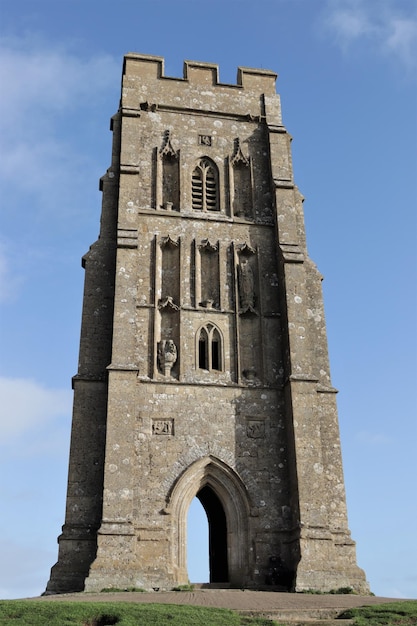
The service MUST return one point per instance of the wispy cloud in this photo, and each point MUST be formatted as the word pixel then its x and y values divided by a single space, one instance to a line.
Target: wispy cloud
pixel 348 22
pixel 46 96
pixel 374 439
pixel 390 29
pixel 28 409
pixel 401 39
pixel 10 280
pixel 39 79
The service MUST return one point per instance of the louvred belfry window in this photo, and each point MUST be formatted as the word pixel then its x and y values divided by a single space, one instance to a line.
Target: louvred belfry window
pixel 205 186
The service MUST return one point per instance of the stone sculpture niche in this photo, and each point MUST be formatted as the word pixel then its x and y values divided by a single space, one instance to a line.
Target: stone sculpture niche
pixel 249 323
pixel 241 183
pixel 168 179
pixel 167 270
pixel 209 275
pixel 170 269
pixel 246 287
pixel 246 280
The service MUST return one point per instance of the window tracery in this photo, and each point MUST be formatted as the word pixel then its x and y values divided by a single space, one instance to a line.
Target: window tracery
pixel 205 186
pixel 209 349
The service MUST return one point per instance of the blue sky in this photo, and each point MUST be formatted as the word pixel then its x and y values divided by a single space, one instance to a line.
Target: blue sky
pixel 347 78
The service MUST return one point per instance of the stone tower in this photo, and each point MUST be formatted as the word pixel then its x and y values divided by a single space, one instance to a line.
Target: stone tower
pixel 203 366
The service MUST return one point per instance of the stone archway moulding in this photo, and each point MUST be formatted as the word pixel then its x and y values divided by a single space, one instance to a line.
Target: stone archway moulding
pixel 229 488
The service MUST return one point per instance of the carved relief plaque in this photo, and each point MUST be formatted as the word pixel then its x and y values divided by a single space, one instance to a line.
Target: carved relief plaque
pixel 163 427
pixel 204 140
pixel 255 429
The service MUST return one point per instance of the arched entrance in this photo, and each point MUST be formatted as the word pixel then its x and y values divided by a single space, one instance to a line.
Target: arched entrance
pixel 218 561
pixel 225 500
pixel 198 566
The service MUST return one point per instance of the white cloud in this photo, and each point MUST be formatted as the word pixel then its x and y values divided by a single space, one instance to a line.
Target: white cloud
pixel 27 406
pixel 46 113
pixel 10 280
pixel 348 23
pixel 38 79
pixel 374 439
pixel 388 30
pixel 51 167
pixel 401 39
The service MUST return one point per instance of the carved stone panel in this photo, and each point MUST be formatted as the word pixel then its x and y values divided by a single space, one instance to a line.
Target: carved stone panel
pixel 255 429
pixel 163 427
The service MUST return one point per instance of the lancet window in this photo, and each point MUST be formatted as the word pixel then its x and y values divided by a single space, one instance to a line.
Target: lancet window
pixel 209 349
pixel 205 186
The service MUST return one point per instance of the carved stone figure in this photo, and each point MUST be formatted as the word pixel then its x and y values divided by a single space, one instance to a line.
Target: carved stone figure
pixel 168 304
pixel 167 355
pixel 246 286
pixel 255 429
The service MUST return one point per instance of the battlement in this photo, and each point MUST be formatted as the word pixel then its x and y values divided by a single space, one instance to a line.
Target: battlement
pixel 151 68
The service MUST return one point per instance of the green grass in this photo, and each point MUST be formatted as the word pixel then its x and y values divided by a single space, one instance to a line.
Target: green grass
pixel 183 588
pixel 78 613
pixel 402 613
pixel 62 613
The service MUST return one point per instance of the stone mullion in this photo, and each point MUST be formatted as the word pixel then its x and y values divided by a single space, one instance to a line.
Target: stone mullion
pixel 204 189
pixel 209 350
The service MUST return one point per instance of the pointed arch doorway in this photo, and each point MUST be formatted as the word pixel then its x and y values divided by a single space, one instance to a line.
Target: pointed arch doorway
pixel 217 531
pixel 225 501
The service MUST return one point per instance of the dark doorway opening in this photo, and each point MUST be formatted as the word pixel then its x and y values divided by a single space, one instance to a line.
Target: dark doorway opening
pixel 219 569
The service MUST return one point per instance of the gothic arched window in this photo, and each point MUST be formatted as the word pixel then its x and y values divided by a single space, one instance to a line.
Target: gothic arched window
pixel 205 186
pixel 209 349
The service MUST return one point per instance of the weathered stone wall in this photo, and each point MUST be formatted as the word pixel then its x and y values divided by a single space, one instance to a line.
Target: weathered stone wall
pixel 217 384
